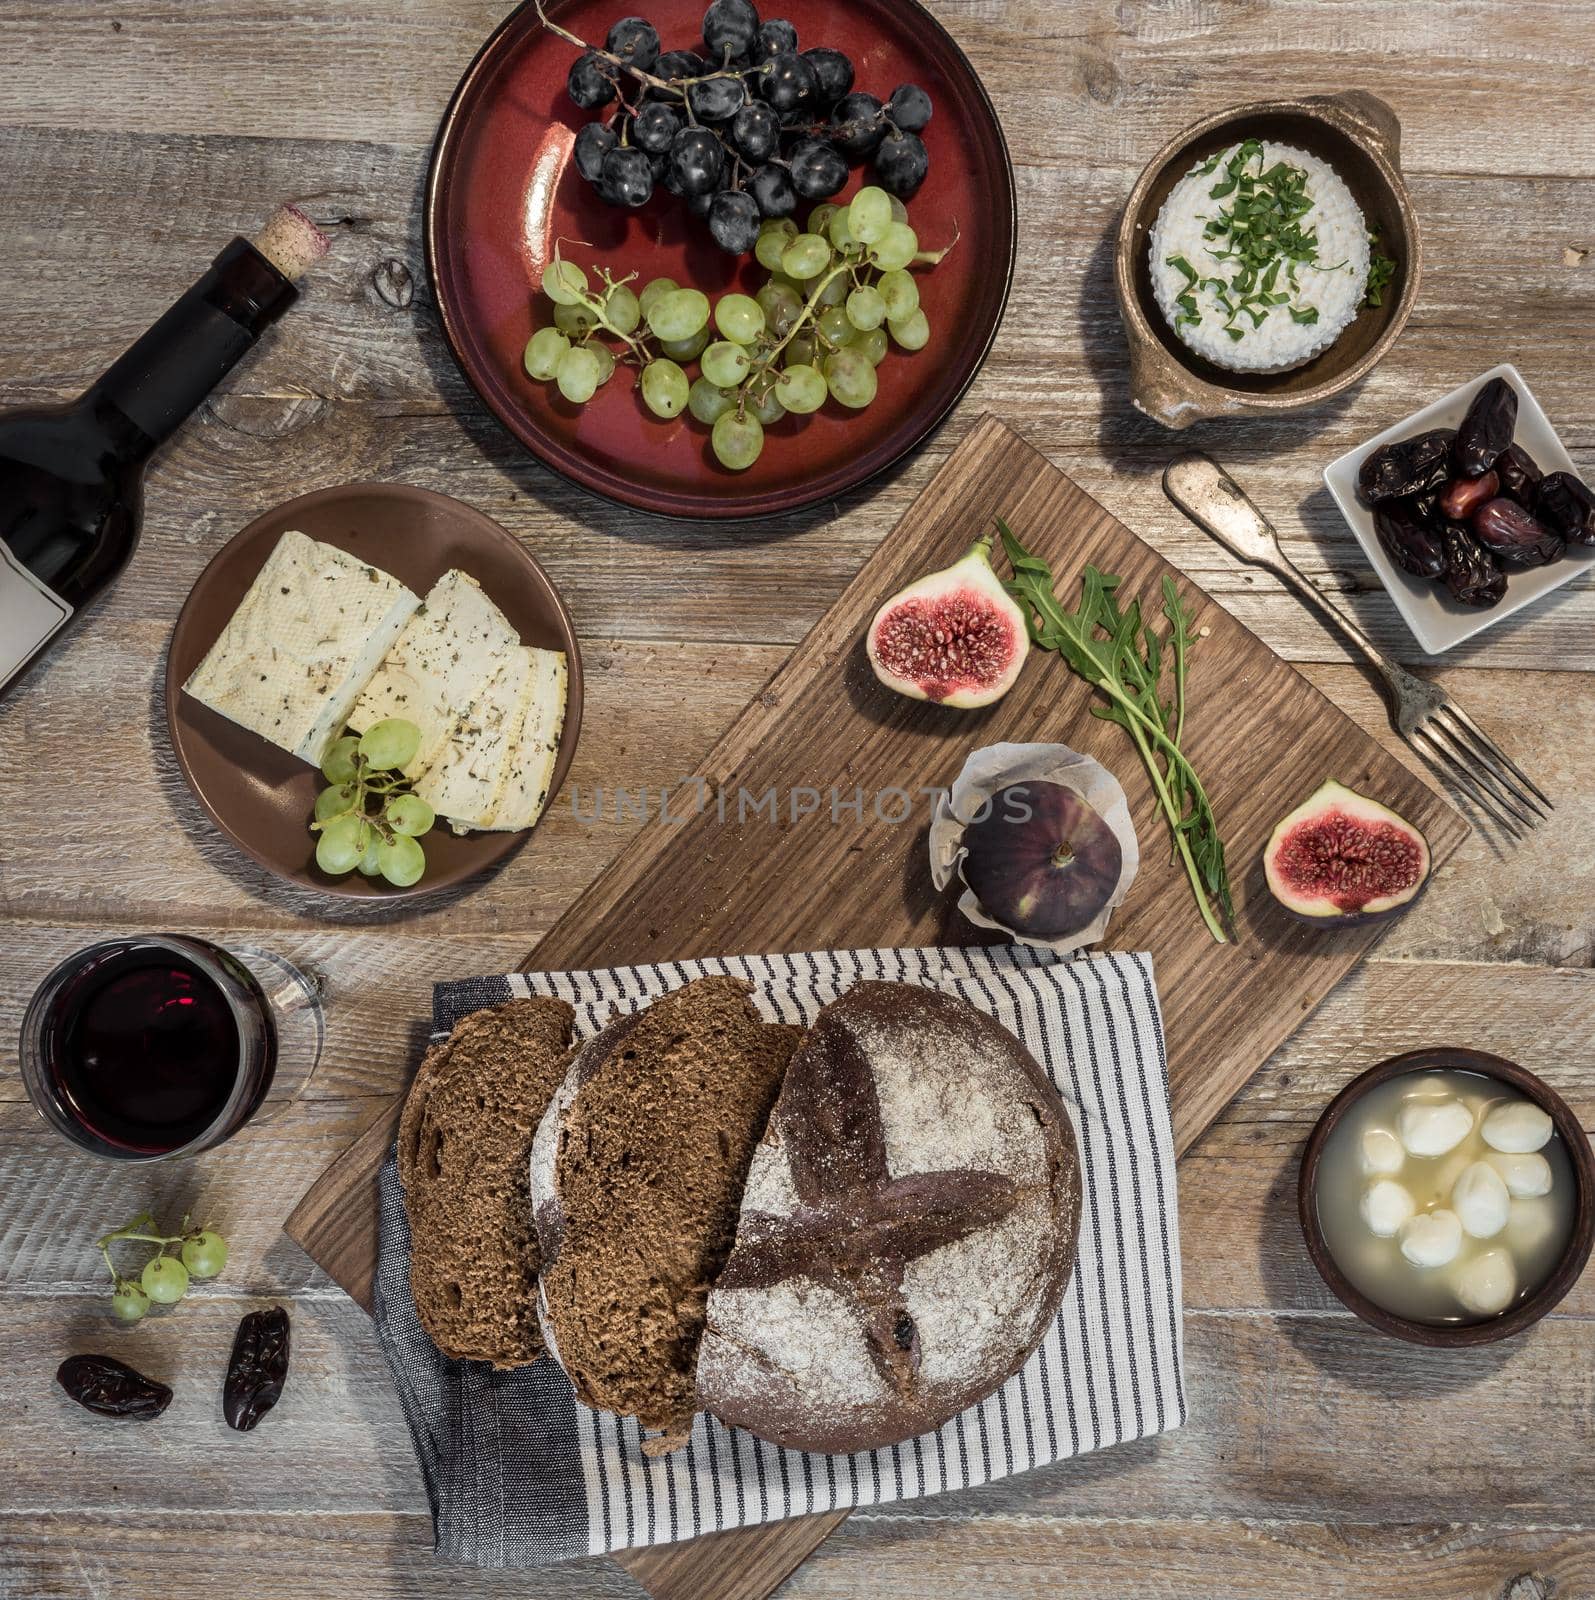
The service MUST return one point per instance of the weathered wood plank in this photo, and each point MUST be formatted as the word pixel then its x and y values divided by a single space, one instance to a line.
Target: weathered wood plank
pixel 1291 1417
pixel 386 1556
pixel 1237 1182
pixel 339 392
pixel 1119 79
pixel 653 711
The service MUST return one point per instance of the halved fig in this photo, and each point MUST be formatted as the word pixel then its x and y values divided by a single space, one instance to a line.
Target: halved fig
pixel 1342 858
pixel 1041 861
pixel 956 636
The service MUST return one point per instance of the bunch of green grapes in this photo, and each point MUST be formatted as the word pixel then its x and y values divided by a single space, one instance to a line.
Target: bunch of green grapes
pixel 838 295
pixel 366 817
pixel 164 1280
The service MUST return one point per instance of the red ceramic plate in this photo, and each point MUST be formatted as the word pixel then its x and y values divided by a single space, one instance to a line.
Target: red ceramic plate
pixel 503 189
pixel 262 797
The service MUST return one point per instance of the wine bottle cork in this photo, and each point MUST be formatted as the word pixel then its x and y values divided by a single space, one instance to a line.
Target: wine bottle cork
pixel 291 242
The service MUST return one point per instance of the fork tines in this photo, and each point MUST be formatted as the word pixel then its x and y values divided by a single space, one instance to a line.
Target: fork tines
pixel 1462 752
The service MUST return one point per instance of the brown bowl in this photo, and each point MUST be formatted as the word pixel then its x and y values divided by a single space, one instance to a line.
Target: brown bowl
pixel 262 797
pixel 1358 135
pixel 1526 1312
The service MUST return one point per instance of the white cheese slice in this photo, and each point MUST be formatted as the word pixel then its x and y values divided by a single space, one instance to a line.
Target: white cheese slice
pixel 465 782
pixel 531 767
pixel 303 643
pixel 442 661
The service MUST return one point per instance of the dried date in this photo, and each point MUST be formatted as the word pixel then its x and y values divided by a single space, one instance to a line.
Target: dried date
pixel 1566 506
pixel 109 1388
pixel 1486 430
pixel 1409 539
pixel 1520 475
pixel 1464 496
pixel 1514 535
pixel 1470 575
pixel 1406 467
pixel 258 1368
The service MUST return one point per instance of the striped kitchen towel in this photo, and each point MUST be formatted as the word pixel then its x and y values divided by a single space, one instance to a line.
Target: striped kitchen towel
pixel 520 1474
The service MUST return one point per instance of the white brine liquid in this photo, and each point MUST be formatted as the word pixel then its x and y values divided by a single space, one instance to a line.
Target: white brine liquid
pixel 1431 1205
pixel 30 615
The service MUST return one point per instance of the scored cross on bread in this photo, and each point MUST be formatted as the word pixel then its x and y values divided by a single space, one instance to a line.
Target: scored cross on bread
pixel 907 1228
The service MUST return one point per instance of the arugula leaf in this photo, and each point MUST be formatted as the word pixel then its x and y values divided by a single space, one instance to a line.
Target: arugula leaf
pixel 1110 645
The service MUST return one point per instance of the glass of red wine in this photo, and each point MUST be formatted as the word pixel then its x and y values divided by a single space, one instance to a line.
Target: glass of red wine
pixel 158 1045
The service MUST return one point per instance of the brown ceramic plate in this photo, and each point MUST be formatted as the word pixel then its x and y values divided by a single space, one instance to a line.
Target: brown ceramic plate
pixel 1527 1311
pixel 262 797
pixel 503 189
pixel 1359 136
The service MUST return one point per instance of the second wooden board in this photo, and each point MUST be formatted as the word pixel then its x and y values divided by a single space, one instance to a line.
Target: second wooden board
pixel 735 878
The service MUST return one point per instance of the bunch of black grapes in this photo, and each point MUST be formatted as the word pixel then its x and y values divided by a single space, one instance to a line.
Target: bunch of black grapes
pixel 747 130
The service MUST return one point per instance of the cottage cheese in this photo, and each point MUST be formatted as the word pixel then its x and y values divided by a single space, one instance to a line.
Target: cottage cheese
pixel 1334 287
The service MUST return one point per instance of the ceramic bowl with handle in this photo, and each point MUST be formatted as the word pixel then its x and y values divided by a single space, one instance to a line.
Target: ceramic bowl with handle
pixel 1359 136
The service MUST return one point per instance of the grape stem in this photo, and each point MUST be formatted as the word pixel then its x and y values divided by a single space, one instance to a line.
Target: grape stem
pixel 136 1232
pixel 676 86
pixel 803 317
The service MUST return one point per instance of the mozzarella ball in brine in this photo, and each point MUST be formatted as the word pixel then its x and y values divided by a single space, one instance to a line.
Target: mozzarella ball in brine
pixel 1385 1206
pixel 1432 1238
pixel 1480 1200
pixel 1526 1174
pixel 1531 1225
pixel 1487 1283
pixel 1516 1127
pixel 1381 1151
pixel 1433 1127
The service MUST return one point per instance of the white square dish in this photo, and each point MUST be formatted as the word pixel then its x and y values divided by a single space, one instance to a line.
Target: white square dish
pixel 1437 621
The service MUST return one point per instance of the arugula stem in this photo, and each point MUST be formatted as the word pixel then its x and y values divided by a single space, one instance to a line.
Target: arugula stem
pixel 1181 843
pixel 1133 653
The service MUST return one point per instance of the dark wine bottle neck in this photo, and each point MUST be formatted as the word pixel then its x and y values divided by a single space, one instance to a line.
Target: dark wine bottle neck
pixel 166 373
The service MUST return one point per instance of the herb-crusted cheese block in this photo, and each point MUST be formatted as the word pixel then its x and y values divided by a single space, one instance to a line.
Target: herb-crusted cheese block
pixel 303 643
pixel 531 766
pixel 469 775
pixel 907 1228
pixel 444 658
pixel 494 767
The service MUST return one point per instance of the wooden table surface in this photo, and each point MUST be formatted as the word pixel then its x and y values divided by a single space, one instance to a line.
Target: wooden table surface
pixel 135 136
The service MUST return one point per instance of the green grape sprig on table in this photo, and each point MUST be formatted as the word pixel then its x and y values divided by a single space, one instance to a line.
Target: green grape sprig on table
pixel 838 295
pixel 190 1253
pixel 367 819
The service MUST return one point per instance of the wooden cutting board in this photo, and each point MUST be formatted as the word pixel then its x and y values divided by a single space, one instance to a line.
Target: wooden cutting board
pixel 1261 736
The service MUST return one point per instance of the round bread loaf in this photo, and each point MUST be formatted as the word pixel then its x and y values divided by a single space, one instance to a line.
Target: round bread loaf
pixel 907 1230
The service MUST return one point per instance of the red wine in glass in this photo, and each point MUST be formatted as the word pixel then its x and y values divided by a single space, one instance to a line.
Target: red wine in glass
pixel 144 1047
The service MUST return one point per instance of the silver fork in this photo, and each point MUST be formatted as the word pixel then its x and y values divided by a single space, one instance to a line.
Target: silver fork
pixel 1432 723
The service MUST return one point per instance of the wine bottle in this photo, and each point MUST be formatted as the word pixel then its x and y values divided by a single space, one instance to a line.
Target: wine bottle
pixel 72 476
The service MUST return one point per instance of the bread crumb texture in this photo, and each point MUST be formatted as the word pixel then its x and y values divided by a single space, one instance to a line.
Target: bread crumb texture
pixel 464 1140
pixel 643 1164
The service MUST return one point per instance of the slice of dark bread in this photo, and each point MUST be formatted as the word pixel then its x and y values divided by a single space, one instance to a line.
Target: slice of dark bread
pixel 465 1137
pixel 637 1177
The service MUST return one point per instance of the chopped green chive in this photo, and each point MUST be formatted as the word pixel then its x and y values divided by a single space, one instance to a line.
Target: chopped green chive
pixel 1261 237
